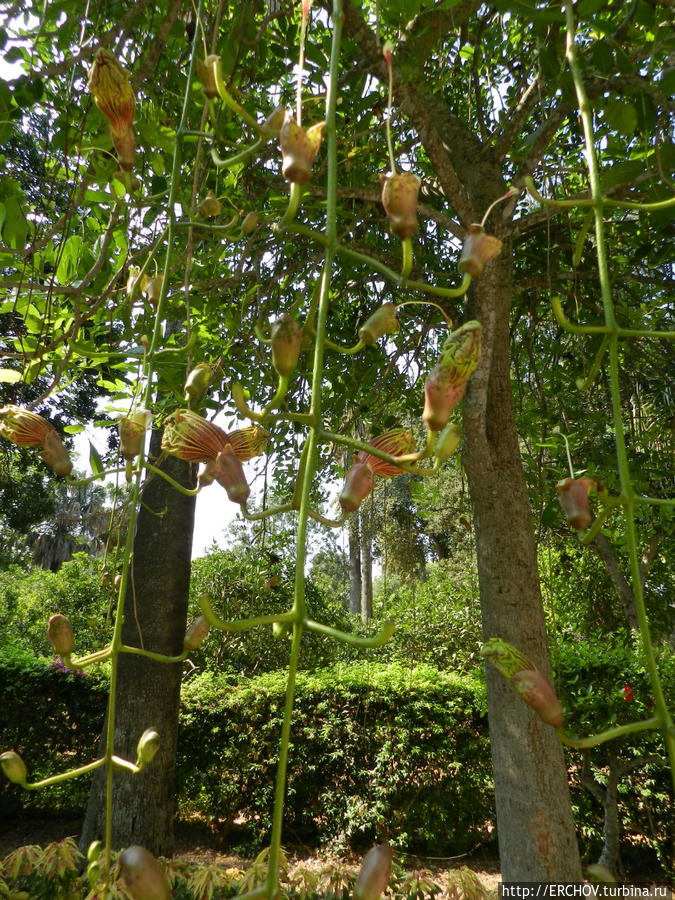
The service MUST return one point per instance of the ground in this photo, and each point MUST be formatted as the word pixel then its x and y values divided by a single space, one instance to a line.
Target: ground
pixel 195 842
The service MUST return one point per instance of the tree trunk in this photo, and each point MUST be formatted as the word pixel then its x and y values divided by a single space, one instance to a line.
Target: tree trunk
pixel 354 564
pixel 534 821
pixel 148 692
pixel 366 516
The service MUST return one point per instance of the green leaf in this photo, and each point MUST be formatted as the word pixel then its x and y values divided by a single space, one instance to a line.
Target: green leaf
pixel 73 429
pixel 9 376
pixel 550 513
pixel 95 461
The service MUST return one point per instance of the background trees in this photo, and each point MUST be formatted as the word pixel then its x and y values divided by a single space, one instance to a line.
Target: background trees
pixel 483 98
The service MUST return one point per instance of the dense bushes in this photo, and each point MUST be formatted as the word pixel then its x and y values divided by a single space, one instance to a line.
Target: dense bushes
pixel 378 752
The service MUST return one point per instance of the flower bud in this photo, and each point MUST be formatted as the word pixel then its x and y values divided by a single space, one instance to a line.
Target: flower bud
pixel 229 473
pixel 298 149
pixel 55 454
pixel 573 496
pixel 133 287
pixel 359 482
pixel 286 340
pixel 479 248
pixel 382 321
pixel 206 76
pixel 399 198
pixel 210 206
pixel 114 96
pixel 94 851
pixel 195 634
pixel 197 383
pixel 445 385
pixel 93 873
pixel 60 635
pixel 447 442
pixel 250 223
pixel 132 432
pixel 152 288
pixel 147 747
pixel 373 878
pixel 537 692
pixel 13 767
pixel 274 121
pixel 142 875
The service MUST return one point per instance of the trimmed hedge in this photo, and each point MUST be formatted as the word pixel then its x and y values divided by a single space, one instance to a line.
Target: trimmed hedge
pixel 377 751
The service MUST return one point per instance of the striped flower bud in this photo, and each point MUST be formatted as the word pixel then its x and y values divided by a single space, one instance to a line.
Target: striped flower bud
pixel 573 496
pixel 13 767
pixel 298 149
pixel 229 473
pixel 114 96
pixel 142 875
pixel 286 337
pixel 373 878
pixel 478 249
pixel 147 747
pixel 60 635
pixel 445 385
pixel 248 442
pixel 125 147
pixel 399 198
pixel 359 480
pixel 537 691
pixel 195 634
pixel 382 321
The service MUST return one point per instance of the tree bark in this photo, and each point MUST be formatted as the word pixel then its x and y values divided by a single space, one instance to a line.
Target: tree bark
pixel 534 820
pixel 354 564
pixel 148 692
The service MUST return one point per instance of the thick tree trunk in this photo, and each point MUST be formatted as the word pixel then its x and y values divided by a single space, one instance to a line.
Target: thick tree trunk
pixel 354 564
pixel 366 516
pixel 148 692
pixel 534 821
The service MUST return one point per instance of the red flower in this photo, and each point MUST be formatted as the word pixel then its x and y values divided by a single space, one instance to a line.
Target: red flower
pixel 627 693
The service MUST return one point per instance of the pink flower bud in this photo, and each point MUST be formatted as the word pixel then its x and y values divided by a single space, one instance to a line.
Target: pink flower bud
pixel 60 635
pixel 196 634
pixel 382 321
pixel 573 495
pixel 373 878
pixel 399 198
pixel 142 875
pixel 286 342
pixel 537 692
pixel 445 385
pixel 479 248
pixel 298 149
pixel 359 482
pixel 229 473
pixel 13 767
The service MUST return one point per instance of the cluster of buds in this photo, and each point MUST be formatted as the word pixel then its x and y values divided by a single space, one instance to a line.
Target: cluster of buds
pixel 399 199
pixel 114 96
pixel 573 496
pixel 132 430
pixel 534 688
pixel 189 436
pixel 445 385
pixel 286 336
pixel 28 429
pixel 298 149
pixel 360 480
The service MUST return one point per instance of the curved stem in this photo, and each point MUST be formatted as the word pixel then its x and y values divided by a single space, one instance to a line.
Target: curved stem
pixel 84 661
pixel 189 492
pixel 585 383
pixel 229 100
pixel 149 654
pixel 64 776
pixel 346 351
pixel 265 513
pixel 292 208
pixel 448 320
pixel 407 258
pixel 608 735
pixel 237 158
pixel 290 618
pixel 377 640
pixel 330 523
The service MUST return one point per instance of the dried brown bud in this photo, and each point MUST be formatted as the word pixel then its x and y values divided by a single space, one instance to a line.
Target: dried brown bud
pixel 206 76
pixel 573 495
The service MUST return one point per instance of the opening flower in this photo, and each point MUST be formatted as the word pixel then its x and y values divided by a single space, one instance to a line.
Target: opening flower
pixel 445 385
pixel 359 480
pixel 573 496
pixel 114 96
pixel 27 429
pixel 189 436
pixel 400 191
pixel 248 442
pixel 298 149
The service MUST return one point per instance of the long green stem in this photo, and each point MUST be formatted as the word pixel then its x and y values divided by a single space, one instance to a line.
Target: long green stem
pixel 610 734
pixel 598 202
